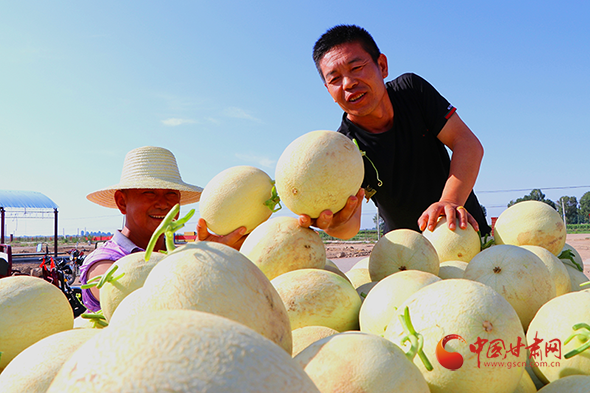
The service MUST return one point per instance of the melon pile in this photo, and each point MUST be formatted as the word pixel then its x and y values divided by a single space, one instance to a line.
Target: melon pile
pixel 425 312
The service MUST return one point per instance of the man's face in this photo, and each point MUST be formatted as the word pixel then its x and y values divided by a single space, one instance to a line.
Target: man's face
pixel 145 209
pixel 353 79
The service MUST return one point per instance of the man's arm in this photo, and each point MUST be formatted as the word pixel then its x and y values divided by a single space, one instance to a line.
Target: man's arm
pixel 344 224
pixel 97 269
pixel 465 162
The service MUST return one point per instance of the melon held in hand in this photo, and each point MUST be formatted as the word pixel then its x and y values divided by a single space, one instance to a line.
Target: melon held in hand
pixel 319 171
pixel 238 196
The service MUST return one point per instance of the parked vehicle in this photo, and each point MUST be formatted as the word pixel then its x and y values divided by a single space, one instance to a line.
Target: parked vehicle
pixel 59 272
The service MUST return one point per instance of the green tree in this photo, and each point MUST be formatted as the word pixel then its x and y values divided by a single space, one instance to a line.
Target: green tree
pixel 535 195
pixel 585 207
pixel 484 210
pixel 570 204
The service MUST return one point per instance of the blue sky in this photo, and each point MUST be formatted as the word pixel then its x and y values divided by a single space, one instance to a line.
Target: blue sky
pixel 229 83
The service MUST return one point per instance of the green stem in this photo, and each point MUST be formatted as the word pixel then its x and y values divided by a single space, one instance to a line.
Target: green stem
pixel 364 154
pixel 568 254
pixel 582 332
pixel 167 227
pixel 274 200
pixel 485 242
pixel 416 340
pixel 97 318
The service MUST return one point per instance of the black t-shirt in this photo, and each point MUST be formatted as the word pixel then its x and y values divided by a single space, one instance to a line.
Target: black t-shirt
pixel 412 163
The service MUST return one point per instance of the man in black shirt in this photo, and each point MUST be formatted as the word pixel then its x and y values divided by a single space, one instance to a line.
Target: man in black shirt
pixel 403 127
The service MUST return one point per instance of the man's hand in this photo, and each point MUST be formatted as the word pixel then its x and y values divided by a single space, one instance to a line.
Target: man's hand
pixel 233 239
pixel 452 211
pixel 344 224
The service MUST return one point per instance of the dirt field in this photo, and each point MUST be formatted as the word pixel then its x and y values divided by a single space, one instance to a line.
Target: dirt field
pixel 334 250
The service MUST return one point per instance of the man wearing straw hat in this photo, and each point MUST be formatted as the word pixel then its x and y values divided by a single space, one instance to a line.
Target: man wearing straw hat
pixel 150 186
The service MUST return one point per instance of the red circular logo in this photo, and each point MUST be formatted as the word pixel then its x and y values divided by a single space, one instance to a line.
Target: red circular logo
pixel 450 360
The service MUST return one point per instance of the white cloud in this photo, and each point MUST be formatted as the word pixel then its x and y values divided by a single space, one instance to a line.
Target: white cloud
pixel 259 161
pixel 174 121
pixel 239 113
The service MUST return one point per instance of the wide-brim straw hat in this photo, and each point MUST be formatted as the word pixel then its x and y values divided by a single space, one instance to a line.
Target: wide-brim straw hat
pixel 148 167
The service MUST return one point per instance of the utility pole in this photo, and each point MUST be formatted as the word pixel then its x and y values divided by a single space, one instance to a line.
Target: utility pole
pixel 563 211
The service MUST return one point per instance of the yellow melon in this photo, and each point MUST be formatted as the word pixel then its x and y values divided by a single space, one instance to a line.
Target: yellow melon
pixel 452 269
pixel 361 264
pixel 570 384
pixel 454 245
pixel 135 269
pixel 476 317
pixel 181 351
pixel 387 295
pixel 315 297
pixel 549 331
pixel 402 249
pixel 238 196
pixel 531 223
pixel 526 384
pixel 309 173
pixel 33 369
pixel 332 267
pixel 358 277
pixel 280 245
pixel 515 273
pixel 307 335
pixel 556 268
pixel 211 277
pixel 356 362
pixel 30 310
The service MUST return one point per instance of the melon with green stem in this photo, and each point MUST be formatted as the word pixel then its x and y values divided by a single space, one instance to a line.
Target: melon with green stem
pixel 559 337
pixel 33 369
pixel 238 196
pixel 454 245
pixel 387 295
pixel 30 310
pixel 467 320
pixel 91 320
pixel 364 290
pixel 402 249
pixel 517 274
pixel 575 267
pixel 130 272
pixel 212 277
pixel 310 172
pixel 376 365
pixel 556 268
pixel 315 297
pixel 135 269
pixel 280 245
pixel 531 223
pixel 181 351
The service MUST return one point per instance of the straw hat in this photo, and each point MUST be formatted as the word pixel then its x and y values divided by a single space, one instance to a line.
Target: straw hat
pixel 152 168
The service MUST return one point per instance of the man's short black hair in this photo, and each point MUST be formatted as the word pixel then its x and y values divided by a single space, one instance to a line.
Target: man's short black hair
pixel 344 34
